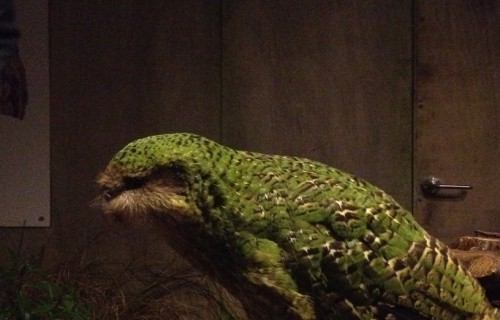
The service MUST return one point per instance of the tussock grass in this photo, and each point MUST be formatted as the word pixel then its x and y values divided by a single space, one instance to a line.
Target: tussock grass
pixel 90 285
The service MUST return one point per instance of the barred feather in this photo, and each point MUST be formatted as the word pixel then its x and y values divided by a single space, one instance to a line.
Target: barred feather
pixel 290 237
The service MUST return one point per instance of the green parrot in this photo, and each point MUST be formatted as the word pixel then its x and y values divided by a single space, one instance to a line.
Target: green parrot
pixel 291 238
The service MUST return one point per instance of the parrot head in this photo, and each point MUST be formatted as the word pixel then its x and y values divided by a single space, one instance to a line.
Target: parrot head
pixel 146 179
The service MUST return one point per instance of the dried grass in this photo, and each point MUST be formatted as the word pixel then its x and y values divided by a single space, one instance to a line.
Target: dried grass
pixel 148 289
pixel 140 287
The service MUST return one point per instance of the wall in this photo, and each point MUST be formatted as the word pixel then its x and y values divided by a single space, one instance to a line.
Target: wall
pixel 329 81
pixel 457 120
pixel 25 145
pixel 123 70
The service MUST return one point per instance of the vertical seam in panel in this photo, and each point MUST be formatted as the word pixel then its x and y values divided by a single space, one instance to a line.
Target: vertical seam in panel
pixel 414 61
pixel 221 69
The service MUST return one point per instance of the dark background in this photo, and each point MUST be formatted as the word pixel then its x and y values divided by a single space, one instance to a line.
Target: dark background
pixel 359 85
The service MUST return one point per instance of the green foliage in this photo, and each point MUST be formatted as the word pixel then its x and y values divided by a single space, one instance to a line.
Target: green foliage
pixel 29 293
pixel 87 285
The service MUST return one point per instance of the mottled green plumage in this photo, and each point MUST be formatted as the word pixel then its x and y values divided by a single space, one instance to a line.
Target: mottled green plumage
pixel 290 237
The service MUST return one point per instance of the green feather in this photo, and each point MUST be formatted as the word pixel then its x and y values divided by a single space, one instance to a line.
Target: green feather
pixel 290 237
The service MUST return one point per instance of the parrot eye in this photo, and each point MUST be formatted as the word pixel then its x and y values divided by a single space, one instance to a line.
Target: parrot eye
pixel 129 183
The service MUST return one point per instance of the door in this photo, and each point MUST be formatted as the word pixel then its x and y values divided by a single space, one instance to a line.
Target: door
pixel 457 115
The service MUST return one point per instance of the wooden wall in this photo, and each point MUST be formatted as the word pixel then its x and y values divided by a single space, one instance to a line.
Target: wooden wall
pixel 457 113
pixel 121 70
pixel 328 80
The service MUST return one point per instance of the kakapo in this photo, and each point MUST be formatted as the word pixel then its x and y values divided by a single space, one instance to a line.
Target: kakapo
pixel 291 238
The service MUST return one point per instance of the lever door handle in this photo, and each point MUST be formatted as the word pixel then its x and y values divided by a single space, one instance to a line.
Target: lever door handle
pixel 432 186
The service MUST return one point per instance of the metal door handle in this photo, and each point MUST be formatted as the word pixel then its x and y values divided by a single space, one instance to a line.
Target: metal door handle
pixel 432 185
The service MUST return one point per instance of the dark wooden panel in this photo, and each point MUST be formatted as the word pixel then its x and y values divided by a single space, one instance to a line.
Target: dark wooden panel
pixel 121 70
pixel 457 114
pixel 329 80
